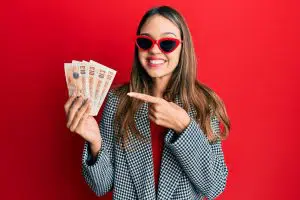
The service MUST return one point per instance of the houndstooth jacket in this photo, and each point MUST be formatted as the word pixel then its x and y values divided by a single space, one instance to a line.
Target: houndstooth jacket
pixel 191 167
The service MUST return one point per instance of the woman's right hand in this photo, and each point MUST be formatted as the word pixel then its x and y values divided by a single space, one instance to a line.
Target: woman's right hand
pixel 79 121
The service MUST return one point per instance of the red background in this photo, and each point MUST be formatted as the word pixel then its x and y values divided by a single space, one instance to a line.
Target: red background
pixel 248 52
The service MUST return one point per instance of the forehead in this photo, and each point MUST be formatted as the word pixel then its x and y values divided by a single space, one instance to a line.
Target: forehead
pixel 157 25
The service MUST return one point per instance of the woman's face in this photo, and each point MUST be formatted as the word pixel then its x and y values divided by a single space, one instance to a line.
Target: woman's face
pixel 156 63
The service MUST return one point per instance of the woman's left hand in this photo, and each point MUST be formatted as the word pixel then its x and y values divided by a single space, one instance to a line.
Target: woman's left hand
pixel 164 113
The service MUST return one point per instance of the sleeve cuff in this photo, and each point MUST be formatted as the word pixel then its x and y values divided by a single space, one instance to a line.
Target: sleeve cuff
pixel 172 137
pixel 89 158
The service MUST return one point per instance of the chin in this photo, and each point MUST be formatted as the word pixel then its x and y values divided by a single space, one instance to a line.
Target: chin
pixel 159 75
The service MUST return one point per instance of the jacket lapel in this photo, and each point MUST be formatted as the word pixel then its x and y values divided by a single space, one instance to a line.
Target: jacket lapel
pixel 140 161
pixel 170 169
pixel 139 157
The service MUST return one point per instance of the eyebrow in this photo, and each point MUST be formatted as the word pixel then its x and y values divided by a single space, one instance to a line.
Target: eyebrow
pixel 165 33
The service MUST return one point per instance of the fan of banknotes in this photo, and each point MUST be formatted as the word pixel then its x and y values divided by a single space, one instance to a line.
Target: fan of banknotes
pixel 89 79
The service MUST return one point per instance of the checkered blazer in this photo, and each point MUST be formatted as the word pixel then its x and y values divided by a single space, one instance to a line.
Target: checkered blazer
pixel 191 167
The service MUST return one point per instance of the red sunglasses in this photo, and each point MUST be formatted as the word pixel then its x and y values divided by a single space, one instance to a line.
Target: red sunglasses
pixel 166 45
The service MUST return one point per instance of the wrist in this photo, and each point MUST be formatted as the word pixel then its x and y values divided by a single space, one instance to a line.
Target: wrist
pixel 96 142
pixel 183 124
pixel 95 147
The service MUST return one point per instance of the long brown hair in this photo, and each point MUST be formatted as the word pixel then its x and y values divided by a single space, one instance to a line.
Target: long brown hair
pixel 183 83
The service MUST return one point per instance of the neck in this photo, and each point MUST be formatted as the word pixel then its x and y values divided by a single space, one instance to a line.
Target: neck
pixel 159 86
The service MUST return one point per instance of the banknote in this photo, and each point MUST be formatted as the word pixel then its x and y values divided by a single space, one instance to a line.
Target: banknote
pixel 92 83
pixel 89 79
pixel 109 76
pixel 84 71
pixel 73 79
pixel 101 72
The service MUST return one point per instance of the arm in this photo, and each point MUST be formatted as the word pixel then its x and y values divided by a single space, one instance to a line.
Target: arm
pixel 202 162
pixel 99 172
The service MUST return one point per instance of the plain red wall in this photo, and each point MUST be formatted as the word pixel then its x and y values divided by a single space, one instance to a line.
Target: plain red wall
pixel 248 52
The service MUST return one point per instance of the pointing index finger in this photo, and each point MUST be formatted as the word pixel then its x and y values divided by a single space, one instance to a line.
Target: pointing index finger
pixel 144 97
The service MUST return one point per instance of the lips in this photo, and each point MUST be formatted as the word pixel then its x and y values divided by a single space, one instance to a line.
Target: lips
pixel 155 61
pixel 154 58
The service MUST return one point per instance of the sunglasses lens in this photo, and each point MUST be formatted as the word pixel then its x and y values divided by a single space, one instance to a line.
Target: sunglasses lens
pixel 168 45
pixel 144 43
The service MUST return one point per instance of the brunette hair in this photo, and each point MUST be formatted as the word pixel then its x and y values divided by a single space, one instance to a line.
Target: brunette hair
pixel 183 83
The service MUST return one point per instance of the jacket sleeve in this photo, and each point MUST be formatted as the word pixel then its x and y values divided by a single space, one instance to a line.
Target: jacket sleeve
pixel 201 161
pixel 99 175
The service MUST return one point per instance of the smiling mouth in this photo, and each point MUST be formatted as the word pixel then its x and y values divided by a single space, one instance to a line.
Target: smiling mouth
pixel 155 63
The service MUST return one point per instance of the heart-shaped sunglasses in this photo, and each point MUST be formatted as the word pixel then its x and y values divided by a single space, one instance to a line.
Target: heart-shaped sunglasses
pixel 166 45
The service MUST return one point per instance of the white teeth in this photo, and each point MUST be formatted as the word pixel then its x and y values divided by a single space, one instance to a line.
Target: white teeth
pixel 156 61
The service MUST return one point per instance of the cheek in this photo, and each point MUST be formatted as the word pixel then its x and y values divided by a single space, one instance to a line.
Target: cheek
pixel 174 58
pixel 142 56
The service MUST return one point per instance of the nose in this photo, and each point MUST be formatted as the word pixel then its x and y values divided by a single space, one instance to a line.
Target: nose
pixel 155 49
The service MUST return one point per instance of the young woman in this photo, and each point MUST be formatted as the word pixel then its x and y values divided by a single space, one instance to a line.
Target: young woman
pixel 159 136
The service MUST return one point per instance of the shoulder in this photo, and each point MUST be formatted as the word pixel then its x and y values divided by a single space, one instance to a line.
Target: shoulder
pixel 117 91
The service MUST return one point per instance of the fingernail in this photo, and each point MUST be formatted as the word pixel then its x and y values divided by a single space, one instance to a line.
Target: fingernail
pixel 129 93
